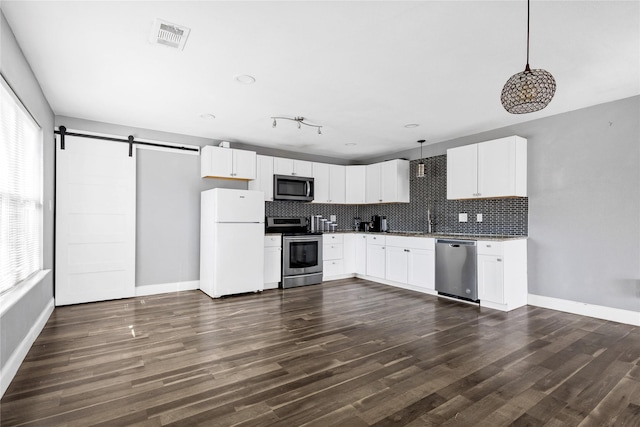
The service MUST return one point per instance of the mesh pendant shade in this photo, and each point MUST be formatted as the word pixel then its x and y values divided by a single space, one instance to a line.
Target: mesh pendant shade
pixel 528 91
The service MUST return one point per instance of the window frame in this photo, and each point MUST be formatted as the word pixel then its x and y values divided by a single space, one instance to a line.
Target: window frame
pixel 36 274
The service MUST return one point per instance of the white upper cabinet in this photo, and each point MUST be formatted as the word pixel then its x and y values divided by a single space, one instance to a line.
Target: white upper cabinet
pixel 373 192
pixel 502 167
pixel 495 168
pixel 462 172
pixel 264 177
pixel 355 177
pixel 329 183
pixel 282 166
pixel 387 182
pixel 321 183
pixel 337 183
pixel 219 162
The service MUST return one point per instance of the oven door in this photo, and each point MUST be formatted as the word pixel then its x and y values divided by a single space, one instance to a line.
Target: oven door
pixel 301 255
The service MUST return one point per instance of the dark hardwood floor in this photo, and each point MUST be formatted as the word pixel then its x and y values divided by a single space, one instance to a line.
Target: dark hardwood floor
pixel 346 353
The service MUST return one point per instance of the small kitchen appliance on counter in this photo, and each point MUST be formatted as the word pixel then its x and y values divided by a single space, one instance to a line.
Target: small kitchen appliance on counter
pixel 301 251
pixel 379 223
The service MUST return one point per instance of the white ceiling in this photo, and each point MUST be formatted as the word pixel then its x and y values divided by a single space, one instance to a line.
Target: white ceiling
pixel 360 69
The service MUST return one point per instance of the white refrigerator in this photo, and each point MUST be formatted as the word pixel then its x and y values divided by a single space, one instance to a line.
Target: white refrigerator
pixel 231 242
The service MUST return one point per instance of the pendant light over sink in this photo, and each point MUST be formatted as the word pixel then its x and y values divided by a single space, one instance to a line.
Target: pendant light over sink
pixel 529 90
pixel 420 171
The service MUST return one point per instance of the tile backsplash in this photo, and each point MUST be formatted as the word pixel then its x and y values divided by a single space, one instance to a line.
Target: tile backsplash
pixel 507 216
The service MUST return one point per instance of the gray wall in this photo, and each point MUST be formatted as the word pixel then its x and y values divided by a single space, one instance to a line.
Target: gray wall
pixel 584 202
pixel 18 320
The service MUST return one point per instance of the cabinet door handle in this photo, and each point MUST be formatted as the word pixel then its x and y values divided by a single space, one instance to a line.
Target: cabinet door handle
pixel 499 260
pixel 488 246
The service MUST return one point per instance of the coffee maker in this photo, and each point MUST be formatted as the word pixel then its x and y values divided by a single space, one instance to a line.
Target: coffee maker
pixel 379 223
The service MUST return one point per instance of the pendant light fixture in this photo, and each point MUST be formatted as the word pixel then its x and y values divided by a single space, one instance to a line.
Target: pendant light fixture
pixel 420 171
pixel 529 90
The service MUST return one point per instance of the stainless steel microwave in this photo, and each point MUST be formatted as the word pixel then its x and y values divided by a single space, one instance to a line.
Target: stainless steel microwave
pixel 296 188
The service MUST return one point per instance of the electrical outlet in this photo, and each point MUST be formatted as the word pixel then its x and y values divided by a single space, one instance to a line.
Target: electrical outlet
pixel 479 217
pixel 332 218
pixel 462 217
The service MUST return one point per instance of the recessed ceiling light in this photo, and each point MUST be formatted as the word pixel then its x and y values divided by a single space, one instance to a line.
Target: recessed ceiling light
pixel 411 125
pixel 207 116
pixel 245 79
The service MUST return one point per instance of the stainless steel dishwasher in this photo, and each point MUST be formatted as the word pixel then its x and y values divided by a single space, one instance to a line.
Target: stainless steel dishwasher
pixel 456 270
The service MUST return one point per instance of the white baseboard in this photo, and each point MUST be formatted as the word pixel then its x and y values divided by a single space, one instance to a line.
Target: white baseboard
pixel 584 309
pixel 10 368
pixel 163 288
pixel 337 277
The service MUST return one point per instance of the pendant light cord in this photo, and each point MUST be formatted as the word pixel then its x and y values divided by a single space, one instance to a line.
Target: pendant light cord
pixel 526 68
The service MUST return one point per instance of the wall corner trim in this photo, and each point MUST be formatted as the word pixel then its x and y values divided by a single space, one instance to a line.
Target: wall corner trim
pixel 584 309
pixel 9 370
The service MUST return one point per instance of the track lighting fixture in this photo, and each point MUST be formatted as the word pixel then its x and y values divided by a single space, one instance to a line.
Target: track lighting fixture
pixel 299 120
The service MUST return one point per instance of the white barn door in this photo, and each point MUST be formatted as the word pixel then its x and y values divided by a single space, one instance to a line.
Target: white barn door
pixel 95 221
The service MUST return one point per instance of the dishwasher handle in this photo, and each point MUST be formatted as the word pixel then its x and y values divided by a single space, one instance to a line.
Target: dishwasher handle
pixel 456 243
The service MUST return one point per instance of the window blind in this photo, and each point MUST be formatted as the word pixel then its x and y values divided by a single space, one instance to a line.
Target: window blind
pixel 20 191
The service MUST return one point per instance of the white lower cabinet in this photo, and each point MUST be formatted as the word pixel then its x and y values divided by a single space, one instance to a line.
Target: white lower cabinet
pixel 333 256
pixel 396 264
pixel 360 247
pixel 502 274
pixel 411 261
pixel 272 261
pixel 376 256
pixel 421 269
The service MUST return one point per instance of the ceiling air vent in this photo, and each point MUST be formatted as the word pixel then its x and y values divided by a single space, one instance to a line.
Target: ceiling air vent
pixel 169 34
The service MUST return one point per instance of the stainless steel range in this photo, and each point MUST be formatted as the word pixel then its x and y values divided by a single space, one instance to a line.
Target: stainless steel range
pixel 301 251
